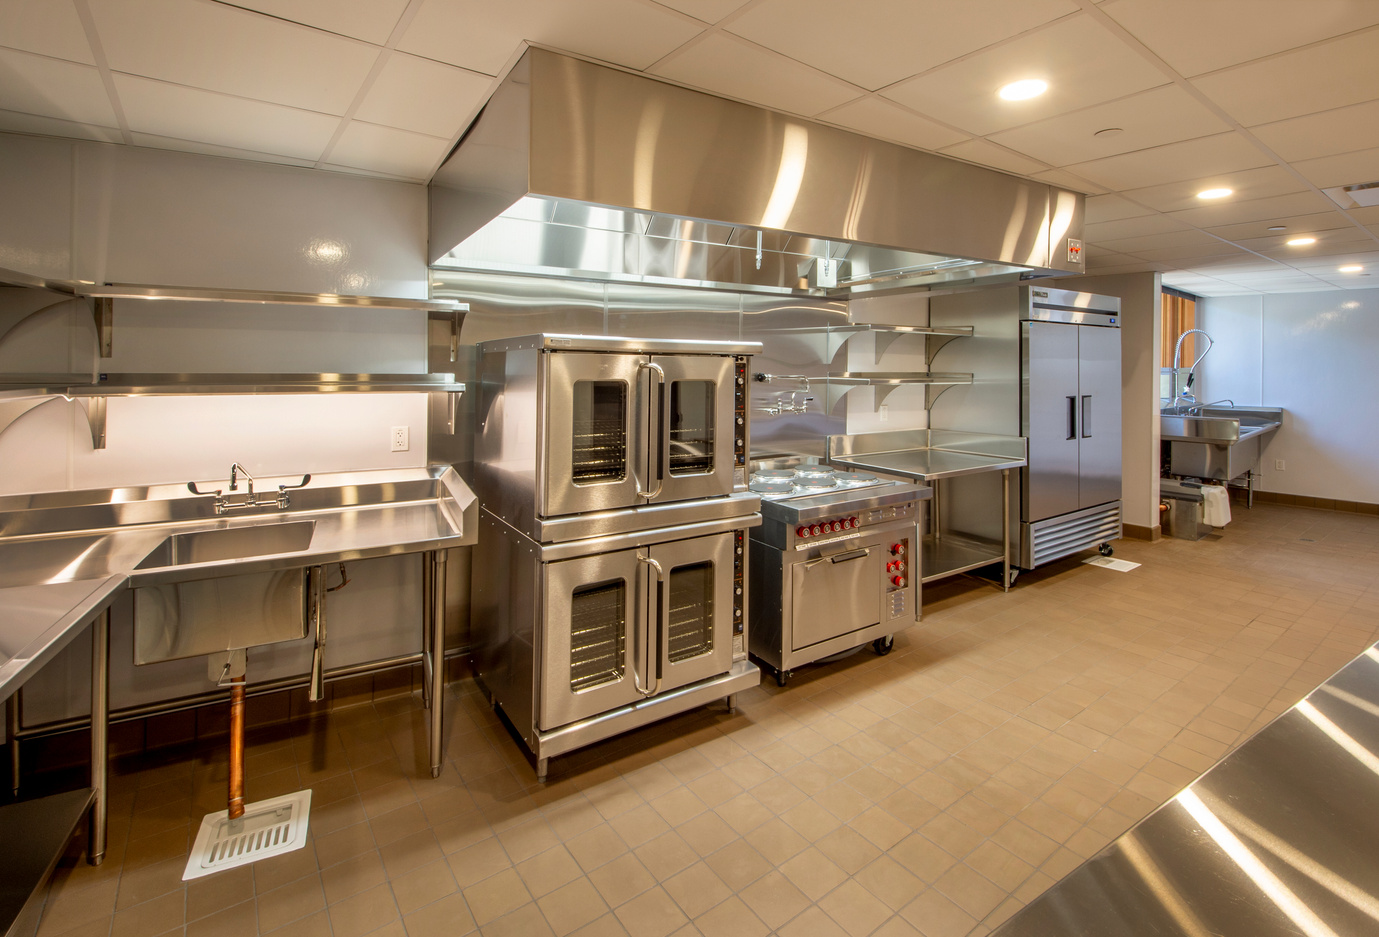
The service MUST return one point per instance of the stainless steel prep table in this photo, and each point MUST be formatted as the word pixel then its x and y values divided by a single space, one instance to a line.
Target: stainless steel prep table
pixel 932 457
pixel 65 557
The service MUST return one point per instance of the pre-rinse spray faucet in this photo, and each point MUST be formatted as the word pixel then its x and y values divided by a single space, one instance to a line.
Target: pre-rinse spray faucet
pixel 224 504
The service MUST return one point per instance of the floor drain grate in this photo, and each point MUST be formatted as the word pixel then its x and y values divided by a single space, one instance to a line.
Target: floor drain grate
pixel 268 828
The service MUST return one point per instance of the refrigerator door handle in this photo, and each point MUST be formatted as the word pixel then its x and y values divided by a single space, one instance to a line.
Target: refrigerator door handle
pixel 655 625
pixel 1086 415
pixel 1072 417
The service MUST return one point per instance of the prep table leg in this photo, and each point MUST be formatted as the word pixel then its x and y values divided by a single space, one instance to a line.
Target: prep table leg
pixel 1005 529
pixel 437 598
pixel 100 726
pixel 428 622
pixel 12 739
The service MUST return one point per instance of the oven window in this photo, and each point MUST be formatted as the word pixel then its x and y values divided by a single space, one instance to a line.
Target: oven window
pixel 691 611
pixel 598 629
pixel 600 432
pixel 691 427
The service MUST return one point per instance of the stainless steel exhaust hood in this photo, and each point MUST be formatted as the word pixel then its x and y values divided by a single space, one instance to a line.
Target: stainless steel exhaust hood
pixel 580 170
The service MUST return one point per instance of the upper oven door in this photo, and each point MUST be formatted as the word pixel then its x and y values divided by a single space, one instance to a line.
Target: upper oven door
pixel 593 442
pixel 692 428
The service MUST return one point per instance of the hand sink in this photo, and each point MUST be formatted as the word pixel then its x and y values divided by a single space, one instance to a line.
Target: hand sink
pixel 230 543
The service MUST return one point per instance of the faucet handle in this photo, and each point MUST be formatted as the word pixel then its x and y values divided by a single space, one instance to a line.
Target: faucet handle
pixel 306 480
pixel 191 486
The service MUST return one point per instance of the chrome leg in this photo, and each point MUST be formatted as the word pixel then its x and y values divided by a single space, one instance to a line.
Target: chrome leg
pixel 437 682
pixel 1005 530
pixel 428 610
pixel 731 700
pixel 12 739
pixel 542 764
pixel 100 728
pixel 316 579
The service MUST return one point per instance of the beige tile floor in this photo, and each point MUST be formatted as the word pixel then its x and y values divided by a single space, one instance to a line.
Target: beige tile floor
pixel 933 791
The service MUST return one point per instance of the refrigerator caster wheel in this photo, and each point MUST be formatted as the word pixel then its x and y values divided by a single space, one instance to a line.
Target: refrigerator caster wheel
pixel 782 677
pixel 1105 549
pixel 883 646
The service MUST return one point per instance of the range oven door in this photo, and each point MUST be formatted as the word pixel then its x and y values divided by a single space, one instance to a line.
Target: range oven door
pixel 623 626
pixel 836 592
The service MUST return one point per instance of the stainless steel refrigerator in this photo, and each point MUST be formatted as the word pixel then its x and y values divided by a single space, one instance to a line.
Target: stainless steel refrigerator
pixel 1070 414
pixel 1046 366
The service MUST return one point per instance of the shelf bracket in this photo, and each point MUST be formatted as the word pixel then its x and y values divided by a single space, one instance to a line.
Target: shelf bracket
pixel 95 418
pixel 935 344
pixel 103 311
pixel 883 341
pixel 14 408
pixel 933 392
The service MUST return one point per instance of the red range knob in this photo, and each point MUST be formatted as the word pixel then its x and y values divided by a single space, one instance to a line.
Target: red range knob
pixel 897 581
pixel 801 531
pixel 837 526
pixel 899 566
pixel 898 549
pixel 852 522
pixel 816 530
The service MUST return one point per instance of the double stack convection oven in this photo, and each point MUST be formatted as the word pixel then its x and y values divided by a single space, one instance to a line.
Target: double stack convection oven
pixel 609 586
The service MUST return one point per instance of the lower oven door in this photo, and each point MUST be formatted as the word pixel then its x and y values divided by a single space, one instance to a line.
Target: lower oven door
pixel 595 607
pixel 837 592
pixel 692 608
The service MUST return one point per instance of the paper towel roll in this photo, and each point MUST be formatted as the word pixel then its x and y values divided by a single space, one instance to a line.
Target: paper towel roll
pixel 1216 509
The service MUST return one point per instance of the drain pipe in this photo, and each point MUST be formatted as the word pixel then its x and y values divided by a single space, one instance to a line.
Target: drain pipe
pixel 236 798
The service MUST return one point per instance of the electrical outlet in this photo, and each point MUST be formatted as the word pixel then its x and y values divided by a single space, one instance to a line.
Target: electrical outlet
pixel 1278 465
pixel 883 413
pixel 399 439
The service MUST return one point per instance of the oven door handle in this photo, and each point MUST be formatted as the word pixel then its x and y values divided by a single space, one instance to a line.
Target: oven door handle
pixel 660 443
pixel 658 623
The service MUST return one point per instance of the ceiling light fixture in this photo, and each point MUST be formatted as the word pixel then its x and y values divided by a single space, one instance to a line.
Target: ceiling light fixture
pixel 1300 242
pixel 1350 268
pixel 1215 193
pixel 1278 227
pixel 1024 89
pixel 1109 132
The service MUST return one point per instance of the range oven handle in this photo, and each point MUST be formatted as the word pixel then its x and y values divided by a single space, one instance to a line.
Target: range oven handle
pixel 660 443
pixel 850 555
pixel 657 626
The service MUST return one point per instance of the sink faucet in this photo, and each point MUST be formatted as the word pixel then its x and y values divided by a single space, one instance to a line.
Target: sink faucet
pixel 1186 392
pixel 224 504
pixel 1197 410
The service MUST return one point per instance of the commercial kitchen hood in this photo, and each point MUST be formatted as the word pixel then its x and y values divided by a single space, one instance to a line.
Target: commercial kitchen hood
pixel 581 170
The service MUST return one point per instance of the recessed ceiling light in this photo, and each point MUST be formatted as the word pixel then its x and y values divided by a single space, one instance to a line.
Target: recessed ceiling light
pixel 1300 242
pixel 1278 227
pixel 1024 90
pixel 1350 268
pixel 1109 132
pixel 1215 193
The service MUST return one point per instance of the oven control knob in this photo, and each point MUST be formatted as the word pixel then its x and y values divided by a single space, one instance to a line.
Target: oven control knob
pixel 816 530
pixel 897 581
pixel 837 526
pixel 801 531
pixel 899 566
pixel 852 522
pixel 898 549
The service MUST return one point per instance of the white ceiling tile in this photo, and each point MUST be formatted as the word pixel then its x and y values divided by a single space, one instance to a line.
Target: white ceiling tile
pixel 35 84
pixel 1342 169
pixel 425 96
pixel 1151 118
pixel 1195 36
pixel 707 11
pixel 878 118
pixel 1112 208
pixel 1334 74
pixel 210 149
pixel 1297 224
pixel 1096 257
pixel 1263 182
pixel 384 149
pixel 989 154
pixel 1147 242
pixel 728 65
pixel 1068 180
pixel 370 20
pixel 1337 131
pixel 1178 255
pixel 52 127
pixel 46 27
pixel 1368 215
pixel 1259 209
pixel 1132 227
pixel 1081 61
pixel 1349 238
pixel 481 35
pixel 1190 159
pixel 168 110
pixel 874 43
pixel 221 48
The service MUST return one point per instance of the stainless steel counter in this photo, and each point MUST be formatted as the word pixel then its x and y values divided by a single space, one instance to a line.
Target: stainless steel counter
pixel 1279 838
pixel 929 464
pixel 38 621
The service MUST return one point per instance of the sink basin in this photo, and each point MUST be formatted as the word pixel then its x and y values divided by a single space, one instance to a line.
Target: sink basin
pixel 229 543
pixel 1221 443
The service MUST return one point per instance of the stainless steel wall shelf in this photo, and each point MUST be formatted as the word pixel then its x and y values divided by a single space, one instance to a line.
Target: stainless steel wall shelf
pixel 839 384
pixel 935 337
pixel 275 297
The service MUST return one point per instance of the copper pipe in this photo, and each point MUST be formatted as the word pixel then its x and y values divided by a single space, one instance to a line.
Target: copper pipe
pixel 236 806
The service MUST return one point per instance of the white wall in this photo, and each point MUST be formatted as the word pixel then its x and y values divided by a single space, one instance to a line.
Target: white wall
pixel 101 213
pixel 1139 375
pixel 904 406
pixel 1317 356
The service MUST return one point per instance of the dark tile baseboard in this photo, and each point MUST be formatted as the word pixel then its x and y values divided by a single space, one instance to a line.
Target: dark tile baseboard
pixel 1307 501
pixel 1136 532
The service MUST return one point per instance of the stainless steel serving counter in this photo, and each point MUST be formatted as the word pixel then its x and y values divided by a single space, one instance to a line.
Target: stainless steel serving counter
pixel 1278 838
pixel 932 457
pixel 65 556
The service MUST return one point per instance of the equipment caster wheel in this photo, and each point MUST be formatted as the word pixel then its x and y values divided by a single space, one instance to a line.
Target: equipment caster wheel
pixel 1105 549
pixel 782 677
pixel 883 646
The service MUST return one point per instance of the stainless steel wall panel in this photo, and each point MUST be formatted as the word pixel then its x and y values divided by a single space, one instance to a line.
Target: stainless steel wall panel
pixel 508 306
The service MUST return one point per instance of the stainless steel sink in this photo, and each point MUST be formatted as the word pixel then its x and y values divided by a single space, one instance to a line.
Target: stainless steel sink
pixel 230 543
pixel 1219 442
pixel 61 559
